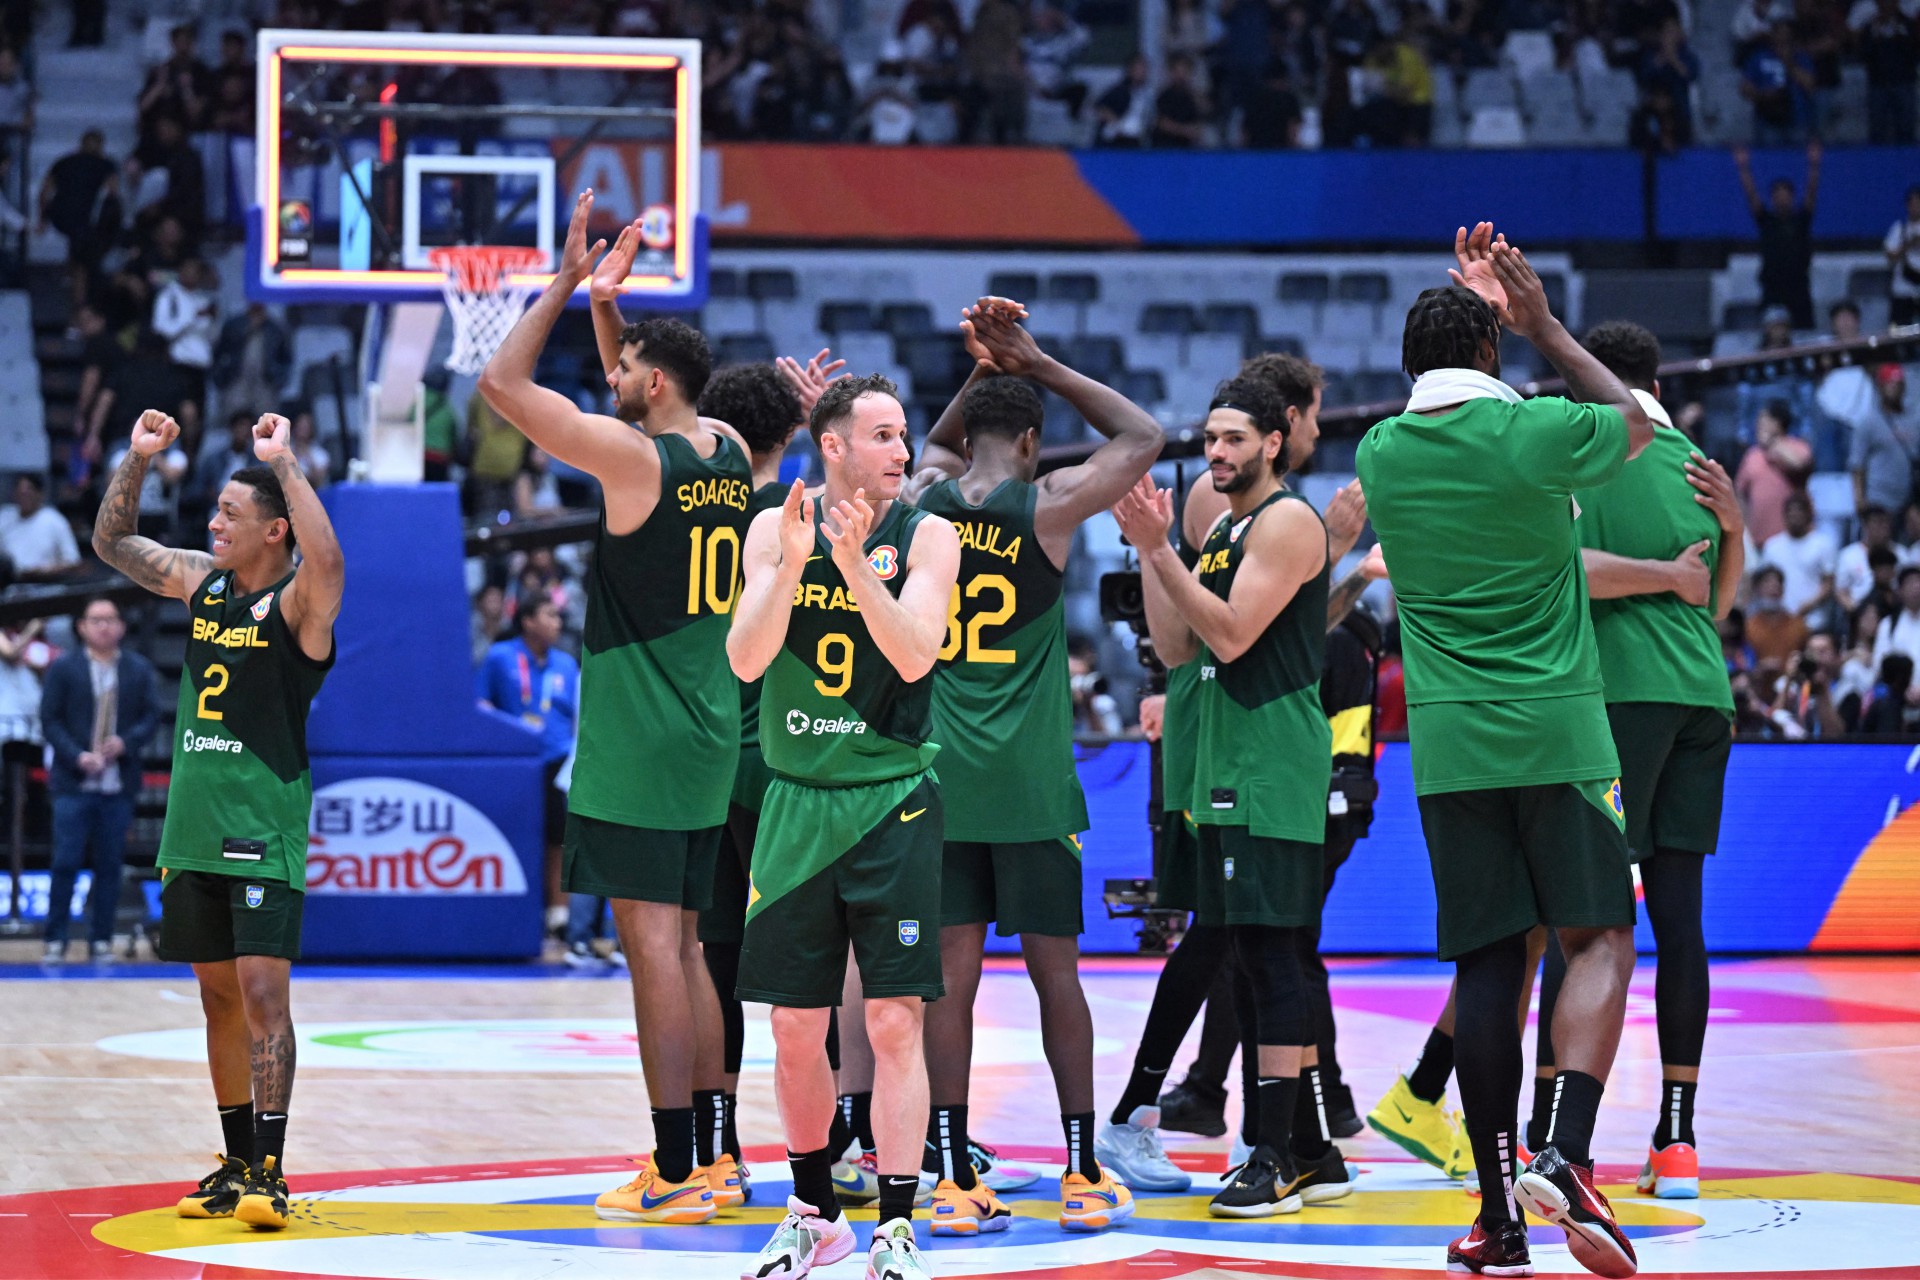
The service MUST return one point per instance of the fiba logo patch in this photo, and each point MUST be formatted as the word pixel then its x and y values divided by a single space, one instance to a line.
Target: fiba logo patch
pixel 909 932
pixel 885 562
pixel 256 894
pixel 1240 527
pixel 259 610
pixel 656 226
pixel 1228 866
pixel 797 721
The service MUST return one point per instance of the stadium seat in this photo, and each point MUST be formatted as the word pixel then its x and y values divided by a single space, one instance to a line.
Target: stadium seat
pixel 1145 387
pixel 772 284
pixel 1238 318
pixel 1021 286
pixel 1283 342
pixel 1555 286
pixel 1375 385
pixel 937 362
pixel 1169 317
pixel 1096 355
pixel 1741 315
pixel 1073 286
pixel 1869 282
pixel 1164 351
pixel 837 318
pixel 1305 286
pixel 1349 321
pixel 1363 286
pixel 745 348
pixel 1528 52
pixel 1216 354
pixel 723 282
pixel 1488 87
pixel 1496 127
pixel 906 319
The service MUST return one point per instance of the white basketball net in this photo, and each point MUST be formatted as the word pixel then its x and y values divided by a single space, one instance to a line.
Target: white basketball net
pixel 484 303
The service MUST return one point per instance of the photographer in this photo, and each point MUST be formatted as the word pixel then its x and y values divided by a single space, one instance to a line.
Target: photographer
pixel 1803 706
pixel 1094 709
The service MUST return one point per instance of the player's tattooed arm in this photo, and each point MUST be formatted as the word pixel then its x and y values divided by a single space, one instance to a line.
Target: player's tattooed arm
pixel 1345 595
pixel 167 571
pixel 313 599
pixel 272 1069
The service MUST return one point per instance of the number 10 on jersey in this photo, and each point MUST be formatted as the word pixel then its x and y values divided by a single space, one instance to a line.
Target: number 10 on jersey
pixel 705 583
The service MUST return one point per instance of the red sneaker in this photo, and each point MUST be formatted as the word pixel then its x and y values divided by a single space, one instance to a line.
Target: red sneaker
pixel 1555 1191
pixel 1500 1252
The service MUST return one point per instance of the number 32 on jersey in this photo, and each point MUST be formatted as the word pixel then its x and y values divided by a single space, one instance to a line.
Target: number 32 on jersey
pixel 976 648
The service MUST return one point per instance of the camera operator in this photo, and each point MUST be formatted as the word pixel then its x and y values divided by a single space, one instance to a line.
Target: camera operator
pixel 1094 708
pixel 1803 706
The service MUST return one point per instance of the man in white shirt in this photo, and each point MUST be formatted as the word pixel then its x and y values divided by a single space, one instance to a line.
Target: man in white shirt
pixel 1806 557
pixel 1903 255
pixel 184 314
pixel 1853 573
pixel 1846 394
pixel 34 536
pixel 1901 634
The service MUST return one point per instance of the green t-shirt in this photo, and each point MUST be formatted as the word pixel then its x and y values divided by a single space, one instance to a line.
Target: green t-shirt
pixel 1655 648
pixel 1474 511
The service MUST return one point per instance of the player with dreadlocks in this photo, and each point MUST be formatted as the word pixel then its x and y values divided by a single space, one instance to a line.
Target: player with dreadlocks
pixel 1471 492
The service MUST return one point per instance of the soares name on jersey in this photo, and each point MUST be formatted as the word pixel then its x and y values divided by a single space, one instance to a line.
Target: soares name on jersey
pixel 711 493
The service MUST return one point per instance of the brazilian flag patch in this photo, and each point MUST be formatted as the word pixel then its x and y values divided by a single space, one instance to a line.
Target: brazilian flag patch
pixel 1607 797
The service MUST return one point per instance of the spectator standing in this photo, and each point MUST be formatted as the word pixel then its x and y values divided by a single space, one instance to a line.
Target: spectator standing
pixel 181 87
pixel 312 456
pixel 1122 113
pixel 167 178
pixel 1776 467
pixel 1886 443
pixel 489 616
pixel 1273 116
pixel 80 198
pixel 1903 256
pixel 1786 236
pixel 1051 49
pixel 1753 24
pixel 1805 556
pixel 887 110
pixel 538 684
pixel 1190 27
pixel 1778 79
pixel 219 458
pixel 1773 631
pixel 184 313
pixel 35 539
pixel 1673 66
pixel 1178 114
pixel 16 96
pixel 1900 633
pixel 999 112
pixel 440 427
pixel 232 108
pixel 497 451
pixel 24 654
pixel 251 360
pixel 1889 47
pixel 1853 572
pixel 1244 50
pixel 99 711
pixel 1845 394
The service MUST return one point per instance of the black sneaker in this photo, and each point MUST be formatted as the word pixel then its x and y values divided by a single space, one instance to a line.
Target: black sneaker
pixel 1556 1191
pixel 1343 1120
pixel 1323 1179
pixel 1501 1251
pixel 218 1193
pixel 1186 1109
pixel 263 1202
pixel 1265 1185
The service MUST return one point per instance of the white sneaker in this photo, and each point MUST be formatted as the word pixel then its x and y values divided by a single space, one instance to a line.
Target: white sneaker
pixel 894 1255
pixel 582 956
pixel 1133 1154
pixel 53 954
pixel 997 1176
pixel 801 1242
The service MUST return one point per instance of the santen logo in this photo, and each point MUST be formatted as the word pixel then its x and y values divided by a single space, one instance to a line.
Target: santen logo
pixel 191 741
pixel 799 722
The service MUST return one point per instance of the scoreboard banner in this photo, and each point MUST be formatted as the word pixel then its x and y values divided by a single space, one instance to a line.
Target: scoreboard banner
pixel 1819 851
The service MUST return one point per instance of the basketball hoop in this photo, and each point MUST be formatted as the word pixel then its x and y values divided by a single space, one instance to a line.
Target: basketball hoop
pixel 484 302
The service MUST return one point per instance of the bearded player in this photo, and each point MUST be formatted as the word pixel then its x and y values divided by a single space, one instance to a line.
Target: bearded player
pixel 233 852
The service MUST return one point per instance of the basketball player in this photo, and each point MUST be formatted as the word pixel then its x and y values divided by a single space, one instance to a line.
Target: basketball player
pixel 1253 615
pixel 1471 492
pixel 1003 712
pixel 233 852
pixel 654 687
pixel 844 611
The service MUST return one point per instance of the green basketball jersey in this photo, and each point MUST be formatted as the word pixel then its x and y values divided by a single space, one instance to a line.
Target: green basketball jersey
pixel 833 710
pixel 1180 722
pixel 751 778
pixel 1264 755
pixel 240 757
pixel 659 705
pixel 1002 698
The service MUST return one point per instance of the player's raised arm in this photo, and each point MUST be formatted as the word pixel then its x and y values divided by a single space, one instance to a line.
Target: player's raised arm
pixel 168 571
pixel 313 598
pixel 599 445
pixel 603 294
pixel 1145 516
pixel 945 449
pixel 778 544
pixel 909 630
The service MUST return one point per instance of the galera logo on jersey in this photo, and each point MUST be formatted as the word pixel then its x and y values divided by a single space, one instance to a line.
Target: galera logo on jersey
pixel 799 722
pixel 400 836
pixel 191 741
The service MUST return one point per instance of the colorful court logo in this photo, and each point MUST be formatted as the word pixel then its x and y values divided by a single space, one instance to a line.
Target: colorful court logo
pixel 535 1219
pixel 885 562
pixel 909 932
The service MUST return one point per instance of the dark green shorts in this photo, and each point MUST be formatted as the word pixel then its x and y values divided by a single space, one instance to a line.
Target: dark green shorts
pixel 1249 879
pixel 206 918
pixel 1508 858
pixel 640 864
pixel 725 920
pixel 1673 774
pixel 882 896
pixel 1176 882
pixel 1031 887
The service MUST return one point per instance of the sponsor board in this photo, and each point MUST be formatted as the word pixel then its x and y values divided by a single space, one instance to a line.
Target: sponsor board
pixel 396 836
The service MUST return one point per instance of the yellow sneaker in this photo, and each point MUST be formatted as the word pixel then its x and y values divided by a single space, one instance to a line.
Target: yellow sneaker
pixel 1460 1158
pixel 218 1193
pixel 1421 1129
pixel 967 1213
pixel 1093 1206
pixel 729 1180
pixel 263 1201
pixel 651 1198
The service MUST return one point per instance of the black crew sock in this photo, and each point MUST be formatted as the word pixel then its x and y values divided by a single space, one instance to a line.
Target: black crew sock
pixel 1428 1080
pixel 858 1108
pixel 1311 1137
pixel 270 1139
pixel 673 1143
pixel 1542 1118
pixel 897 1191
pixel 1278 1098
pixel 1676 1113
pixel 839 1133
pixel 729 1135
pixel 813 1181
pixel 1576 1103
pixel 947 1156
pixel 236 1130
pixel 1143 1090
pixel 709 1121
pixel 1079 1131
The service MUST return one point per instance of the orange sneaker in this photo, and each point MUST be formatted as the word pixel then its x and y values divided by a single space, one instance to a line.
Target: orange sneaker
pixel 651 1198
pixel 967 1213
pixel 1093 1206
pixel 730 1181
pixel 1672 1172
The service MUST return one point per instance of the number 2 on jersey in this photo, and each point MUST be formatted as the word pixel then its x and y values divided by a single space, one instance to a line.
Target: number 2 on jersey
pixel 976 649
pixel 216 678
pixel 704 582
